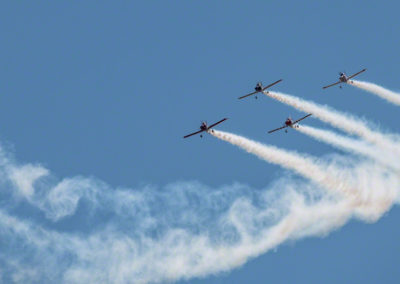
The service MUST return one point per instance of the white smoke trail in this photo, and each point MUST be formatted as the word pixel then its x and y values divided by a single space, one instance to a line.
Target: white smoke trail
pixel 182 231
pixel 110 256
pixel 303 165
pixel 341 121
pixel 214 231
pixel 383 93
pixel 338 179
pixel 351 145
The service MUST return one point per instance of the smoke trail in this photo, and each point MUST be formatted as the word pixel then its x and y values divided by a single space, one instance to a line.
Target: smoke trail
pixel 339 120
pixel 386 94
pixel 183 231
pixel 180 231
pixel 351 145
pixel 336 178
pixel 110 256
pixel 303 165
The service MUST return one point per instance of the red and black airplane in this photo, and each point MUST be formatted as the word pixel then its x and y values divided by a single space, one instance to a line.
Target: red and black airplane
pixel 290 123
pixel 204 127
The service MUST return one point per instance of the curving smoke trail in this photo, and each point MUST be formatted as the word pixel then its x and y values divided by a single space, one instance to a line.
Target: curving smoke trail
pixel 351 145
pixel 341 121
pixel 111 256
pixel 183 231
pixel 383 93
pixel 180 231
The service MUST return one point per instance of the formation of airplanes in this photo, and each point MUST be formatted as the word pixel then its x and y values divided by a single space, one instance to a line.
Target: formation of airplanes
pixel 289 123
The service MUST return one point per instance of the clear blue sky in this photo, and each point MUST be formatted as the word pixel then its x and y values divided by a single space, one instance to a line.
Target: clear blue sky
pixel 107 90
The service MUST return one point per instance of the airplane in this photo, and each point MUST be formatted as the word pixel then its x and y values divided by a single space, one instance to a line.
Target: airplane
pixel 290 123
pixel 205 127
pixel 259 88
pixel 344 79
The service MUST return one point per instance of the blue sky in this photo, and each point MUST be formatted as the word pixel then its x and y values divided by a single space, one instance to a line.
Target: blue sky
pixel 106 91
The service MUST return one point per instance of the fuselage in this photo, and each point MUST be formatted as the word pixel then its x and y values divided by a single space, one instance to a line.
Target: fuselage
pixel 258 87
pixel 343 78
pixel 289 122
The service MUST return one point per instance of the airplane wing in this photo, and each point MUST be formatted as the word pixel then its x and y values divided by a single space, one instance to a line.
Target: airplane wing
pixel 352 76
pixel 338 82
pixel 270 85
pixel 248 95
pixel 300 119
pixel 212 125
pixel 194 133
pixel 277 129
